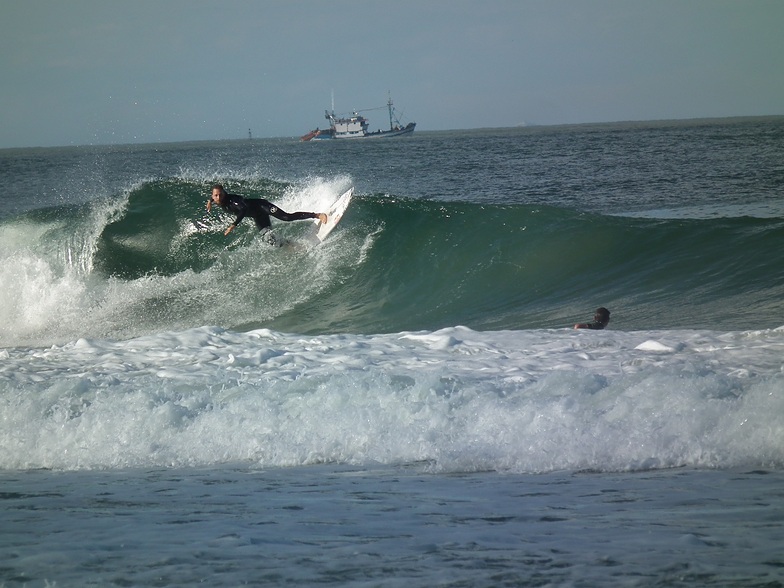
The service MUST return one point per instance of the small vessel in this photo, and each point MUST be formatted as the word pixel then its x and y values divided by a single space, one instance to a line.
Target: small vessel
pixel 356 127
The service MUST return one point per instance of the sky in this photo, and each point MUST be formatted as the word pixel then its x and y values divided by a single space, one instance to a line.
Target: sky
pixel 87 72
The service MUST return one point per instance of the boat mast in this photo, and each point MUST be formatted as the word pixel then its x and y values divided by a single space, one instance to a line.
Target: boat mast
pixel 389 104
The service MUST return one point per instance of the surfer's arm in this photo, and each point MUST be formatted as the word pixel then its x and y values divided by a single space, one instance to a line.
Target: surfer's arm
pixel 237 221
pixel 239 207
pixel 593 325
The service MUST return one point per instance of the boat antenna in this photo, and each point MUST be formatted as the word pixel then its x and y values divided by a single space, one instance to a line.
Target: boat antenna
pixel 333 100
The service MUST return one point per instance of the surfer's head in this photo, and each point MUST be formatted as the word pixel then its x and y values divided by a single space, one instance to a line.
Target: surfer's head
pixel 218 194
pixel 602 316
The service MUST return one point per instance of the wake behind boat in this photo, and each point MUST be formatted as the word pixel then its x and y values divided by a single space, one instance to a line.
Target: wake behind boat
pixel 356 126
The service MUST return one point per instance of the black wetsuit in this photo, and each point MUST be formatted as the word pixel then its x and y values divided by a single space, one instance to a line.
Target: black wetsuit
pixel 260 210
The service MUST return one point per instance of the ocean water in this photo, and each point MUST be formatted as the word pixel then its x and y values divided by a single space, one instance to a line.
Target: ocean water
pixel 408 403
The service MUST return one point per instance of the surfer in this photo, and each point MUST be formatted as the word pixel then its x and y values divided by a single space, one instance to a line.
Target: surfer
pixel 258 209
pixel 600 320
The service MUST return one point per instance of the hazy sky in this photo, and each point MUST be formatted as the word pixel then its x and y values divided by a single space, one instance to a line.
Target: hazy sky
pixel 82 72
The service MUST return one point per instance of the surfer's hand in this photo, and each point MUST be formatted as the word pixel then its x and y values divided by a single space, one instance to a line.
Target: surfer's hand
pixel 322 218
pixel 209 205
pixel 229 230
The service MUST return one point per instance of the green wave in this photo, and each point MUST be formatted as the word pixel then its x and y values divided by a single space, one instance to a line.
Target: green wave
pixel 397 264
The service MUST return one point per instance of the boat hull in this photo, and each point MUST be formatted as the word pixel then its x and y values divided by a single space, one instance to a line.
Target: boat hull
pixel 328 135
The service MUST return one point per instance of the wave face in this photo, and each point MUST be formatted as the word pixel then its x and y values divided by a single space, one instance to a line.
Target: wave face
pixel 136 263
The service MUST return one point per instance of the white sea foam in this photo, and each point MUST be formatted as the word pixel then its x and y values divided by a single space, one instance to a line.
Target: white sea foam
pixel 537 400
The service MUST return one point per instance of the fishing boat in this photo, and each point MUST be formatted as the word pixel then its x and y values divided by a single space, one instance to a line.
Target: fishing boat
pixel 356 126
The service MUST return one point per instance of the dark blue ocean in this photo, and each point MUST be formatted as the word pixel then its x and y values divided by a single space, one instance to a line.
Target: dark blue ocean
pixel 407 403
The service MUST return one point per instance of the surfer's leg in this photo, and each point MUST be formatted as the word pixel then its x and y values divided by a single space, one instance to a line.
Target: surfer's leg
pixel 262 220
pixel 257 211
pixel 280 214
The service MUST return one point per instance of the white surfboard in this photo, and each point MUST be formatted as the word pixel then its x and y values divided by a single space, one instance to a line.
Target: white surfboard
pixel 334 214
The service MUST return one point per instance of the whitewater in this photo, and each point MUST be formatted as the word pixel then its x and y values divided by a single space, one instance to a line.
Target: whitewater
pixel 407 403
